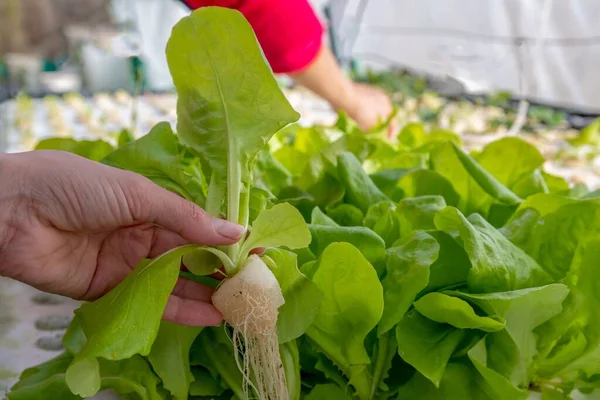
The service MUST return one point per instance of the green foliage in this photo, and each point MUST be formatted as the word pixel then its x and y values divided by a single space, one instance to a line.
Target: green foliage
pixel 93 149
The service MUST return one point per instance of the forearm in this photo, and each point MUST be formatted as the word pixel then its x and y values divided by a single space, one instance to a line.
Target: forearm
pixel 326 79
pixel 291 37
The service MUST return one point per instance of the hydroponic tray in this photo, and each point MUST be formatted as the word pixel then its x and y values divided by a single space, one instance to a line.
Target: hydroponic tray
pixel 32 324
pixel 24 121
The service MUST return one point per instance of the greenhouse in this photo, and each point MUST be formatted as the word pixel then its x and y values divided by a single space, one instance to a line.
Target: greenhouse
pixel 299 200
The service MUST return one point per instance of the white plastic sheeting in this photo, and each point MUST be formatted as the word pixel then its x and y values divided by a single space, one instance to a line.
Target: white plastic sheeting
pixel 485 44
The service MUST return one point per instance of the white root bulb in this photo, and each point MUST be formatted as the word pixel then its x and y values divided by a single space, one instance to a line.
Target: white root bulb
pixel 249 302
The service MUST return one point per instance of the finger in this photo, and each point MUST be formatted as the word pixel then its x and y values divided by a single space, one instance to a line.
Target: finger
pixel 121 251
pixel 188 289
pixel 154 204
pixel 164 240
pixel 191 312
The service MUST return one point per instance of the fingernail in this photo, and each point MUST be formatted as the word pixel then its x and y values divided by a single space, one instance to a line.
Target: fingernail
pixel 228 229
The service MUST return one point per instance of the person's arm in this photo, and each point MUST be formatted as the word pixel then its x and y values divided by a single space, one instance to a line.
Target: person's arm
pixel 367 105
pixel 291 37
pixel 337 90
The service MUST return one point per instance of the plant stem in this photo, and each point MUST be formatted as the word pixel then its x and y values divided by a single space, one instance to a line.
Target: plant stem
pixel 234 185
pixel 385 349
pixel 245 207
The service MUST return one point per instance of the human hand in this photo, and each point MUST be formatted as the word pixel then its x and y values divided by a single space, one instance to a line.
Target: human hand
pixel 75 227
pixel 369 106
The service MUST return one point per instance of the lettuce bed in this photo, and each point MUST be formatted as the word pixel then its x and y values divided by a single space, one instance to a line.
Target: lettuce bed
pixel 431 273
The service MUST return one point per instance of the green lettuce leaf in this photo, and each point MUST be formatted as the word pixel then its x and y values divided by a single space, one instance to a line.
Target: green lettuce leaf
pixel 427 345
pixel 346 215
pixel 327 192
pixel 384 353
pixel 418 213
pixel 159 157
pixel 269 174
pixel 530 184
pixel 204 384
pixel 387 181
pixel 360 189
pixel 290 358
pixel 225 119
pixel 384 221
pixel 368 242
pixel 588 135
pixel 511 352
pixel 74 337
pixel 206 260
pixel 125 321
pixel 302 297
pixel 169 357
pixel 510 160
pixel 94 150
pixel 462 380
pixel 494 383
pixel 553 239
pixel 47 378
pixel 471 181
pixel 412 135
pixel 125 137
pixel 453 311
pixel 352 306
pixel 452 266
pixel 570 342
pixel 327 391
pixel 498 265
pixel 213 350
pixel 407 274
pixel 318 217
pixel 424 182
pixel 279 226
pixel 130 378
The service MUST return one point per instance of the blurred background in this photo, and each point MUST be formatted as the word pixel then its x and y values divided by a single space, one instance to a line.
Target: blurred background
pixel 481 68
pixel 61 45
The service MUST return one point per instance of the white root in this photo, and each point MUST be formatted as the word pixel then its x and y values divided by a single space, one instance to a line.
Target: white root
pixel 249 302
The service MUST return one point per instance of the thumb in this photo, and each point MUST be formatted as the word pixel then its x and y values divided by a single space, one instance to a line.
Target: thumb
pixel 172 212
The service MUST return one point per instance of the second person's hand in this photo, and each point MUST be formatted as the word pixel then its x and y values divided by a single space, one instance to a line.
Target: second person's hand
pixel 370 106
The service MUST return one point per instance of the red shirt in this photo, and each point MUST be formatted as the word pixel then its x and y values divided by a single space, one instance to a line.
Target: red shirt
pixel 288 31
